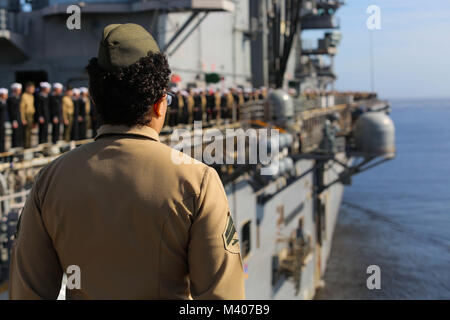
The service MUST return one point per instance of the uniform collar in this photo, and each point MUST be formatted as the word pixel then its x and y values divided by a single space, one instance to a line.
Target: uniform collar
pixel 143 131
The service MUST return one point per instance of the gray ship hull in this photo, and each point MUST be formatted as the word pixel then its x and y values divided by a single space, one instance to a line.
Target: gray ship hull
pixel 278 219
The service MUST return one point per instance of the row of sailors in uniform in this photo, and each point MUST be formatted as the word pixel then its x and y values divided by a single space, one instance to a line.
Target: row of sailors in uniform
pixel 70 109
pixel 208 104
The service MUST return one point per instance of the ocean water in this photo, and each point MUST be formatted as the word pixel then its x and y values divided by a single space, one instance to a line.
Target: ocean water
pixel 397 215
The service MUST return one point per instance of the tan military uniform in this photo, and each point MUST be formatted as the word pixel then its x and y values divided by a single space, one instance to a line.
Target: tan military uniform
pixel 204 103
pixel 138 225
pixel 180 106
pixel 264 94
pixel 217 108
pixel 27 111
pixel 230 104
pixel 230 100
pixel 87 106
pixel 190 108
pixel 241 99
pixel 67 113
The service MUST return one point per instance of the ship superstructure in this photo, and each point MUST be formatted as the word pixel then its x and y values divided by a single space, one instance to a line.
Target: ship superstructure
pixel 245 42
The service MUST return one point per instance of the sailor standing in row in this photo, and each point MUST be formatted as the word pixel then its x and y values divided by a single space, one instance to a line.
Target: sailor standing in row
pixel 210 103
pixel 190 106
pixel 180 103
pixel 198 112
pixel 203 103
pixel 247 94
pixel 184 108
pixel 86 124
pixel 67 112
pixel 56 111
pixel 43 111
pixel 238 100
pixel 75 134
pixel 3 107
pixel 27 111
pixel 13 103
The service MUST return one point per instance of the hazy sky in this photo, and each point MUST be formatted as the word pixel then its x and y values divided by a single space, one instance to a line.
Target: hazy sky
pixel 412 49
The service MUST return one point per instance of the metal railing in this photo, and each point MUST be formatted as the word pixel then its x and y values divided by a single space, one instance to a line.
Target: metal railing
pixel 13 201
pixel 313 124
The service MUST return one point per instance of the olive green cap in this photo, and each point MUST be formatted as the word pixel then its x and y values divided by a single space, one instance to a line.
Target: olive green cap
pixel 123 45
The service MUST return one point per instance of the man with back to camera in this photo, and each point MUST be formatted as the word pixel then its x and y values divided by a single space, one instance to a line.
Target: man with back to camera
pixel 146 227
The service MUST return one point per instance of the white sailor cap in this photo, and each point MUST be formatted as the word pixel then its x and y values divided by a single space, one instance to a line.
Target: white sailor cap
pixel 76 91
pixel 174 89
pixel 16 86
pixel 184 93
pixel 3 91
pixel 57 85
pixel 45 85
pixel 84 90
pixel 247 90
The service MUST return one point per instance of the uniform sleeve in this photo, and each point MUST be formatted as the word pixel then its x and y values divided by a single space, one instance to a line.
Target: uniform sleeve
pixel 215 264
pixel 35 271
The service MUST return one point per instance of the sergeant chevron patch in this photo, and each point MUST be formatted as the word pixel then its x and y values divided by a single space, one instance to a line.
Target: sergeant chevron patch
pixel 230 236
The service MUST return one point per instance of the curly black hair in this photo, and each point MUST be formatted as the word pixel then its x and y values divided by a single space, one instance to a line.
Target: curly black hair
pixel 125 96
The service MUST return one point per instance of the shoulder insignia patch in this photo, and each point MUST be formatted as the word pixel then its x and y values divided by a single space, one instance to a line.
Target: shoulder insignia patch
pixel 230 236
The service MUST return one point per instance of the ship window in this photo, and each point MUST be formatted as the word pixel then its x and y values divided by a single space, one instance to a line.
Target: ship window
pixel 245 236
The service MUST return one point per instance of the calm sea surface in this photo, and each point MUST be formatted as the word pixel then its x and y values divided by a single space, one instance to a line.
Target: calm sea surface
pixel 397 215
